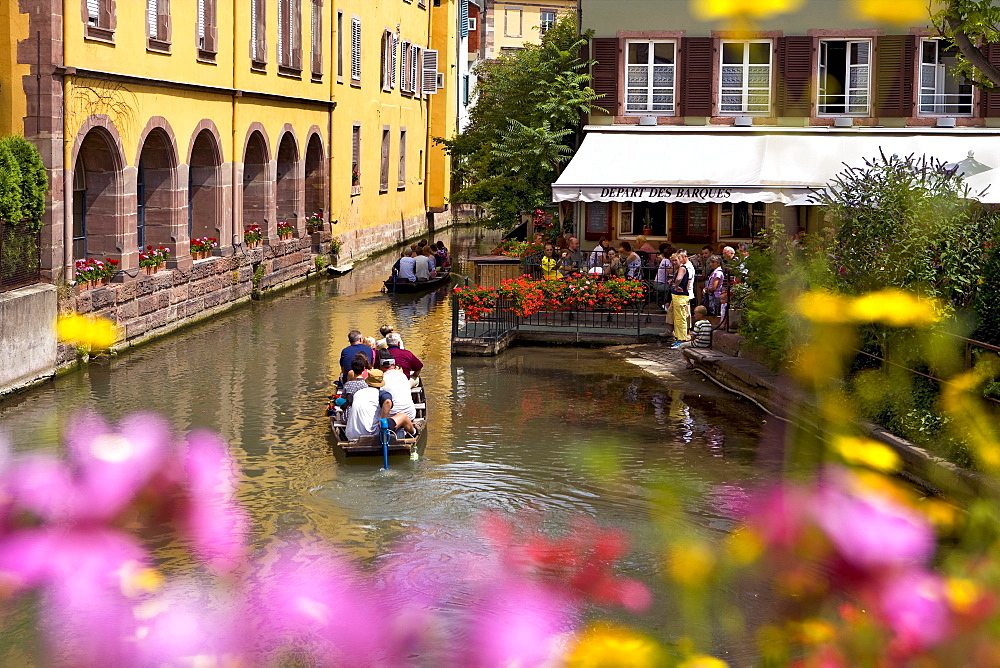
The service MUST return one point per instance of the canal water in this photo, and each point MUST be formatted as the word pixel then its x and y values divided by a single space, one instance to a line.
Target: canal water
pixel 560 432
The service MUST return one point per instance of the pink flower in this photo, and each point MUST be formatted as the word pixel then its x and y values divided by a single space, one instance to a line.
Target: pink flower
pixel 915 607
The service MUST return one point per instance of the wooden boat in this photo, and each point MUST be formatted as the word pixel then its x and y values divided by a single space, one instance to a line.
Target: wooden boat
pixel 443 278
pixel 372 445
pixel 340 269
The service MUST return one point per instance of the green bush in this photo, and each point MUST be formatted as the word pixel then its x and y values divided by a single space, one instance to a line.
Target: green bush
pixel 987 303
pixel 10 186
pixel 34 181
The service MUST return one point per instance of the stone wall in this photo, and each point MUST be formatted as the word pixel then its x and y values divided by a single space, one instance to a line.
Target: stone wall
pixel 27 336
pixel 150 305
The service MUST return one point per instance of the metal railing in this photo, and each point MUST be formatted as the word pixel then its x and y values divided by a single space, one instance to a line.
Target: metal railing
pixel 20 257
pixel 495 325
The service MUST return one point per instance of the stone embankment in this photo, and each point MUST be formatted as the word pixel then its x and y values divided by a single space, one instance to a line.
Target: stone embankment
pixel 731 366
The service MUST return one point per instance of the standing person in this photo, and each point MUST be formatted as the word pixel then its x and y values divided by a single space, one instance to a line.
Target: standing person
pixel 356 346
pixel 728 255
pixel 680 297
pixel 405 360
pixel 550 263
pixel 713 286
pixel 744 252
pixel 369 405
pixel 661 283
pixel 408 266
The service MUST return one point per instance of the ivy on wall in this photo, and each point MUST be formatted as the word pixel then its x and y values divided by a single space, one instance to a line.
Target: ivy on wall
pixel 23 184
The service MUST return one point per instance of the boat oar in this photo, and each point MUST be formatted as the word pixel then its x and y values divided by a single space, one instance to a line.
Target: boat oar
pixel 384 436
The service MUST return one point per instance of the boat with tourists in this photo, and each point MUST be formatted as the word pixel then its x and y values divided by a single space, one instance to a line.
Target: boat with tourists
pixel 395 284
pixel 372 445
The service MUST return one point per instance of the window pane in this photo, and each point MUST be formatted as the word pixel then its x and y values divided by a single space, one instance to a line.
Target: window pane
pixel 859 53
pixel 929 51
pixel 732 52
pixel 760 53
pixel 638 53
pixel 638 76
pixel 663 53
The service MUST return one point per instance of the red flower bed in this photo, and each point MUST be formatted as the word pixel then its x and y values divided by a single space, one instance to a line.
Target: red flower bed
pixel 527 296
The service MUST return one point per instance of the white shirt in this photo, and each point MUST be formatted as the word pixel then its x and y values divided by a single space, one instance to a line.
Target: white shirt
pixel 690 273
pixel 423 273
pixel 407 265
pixel 362 419
pixel 398 385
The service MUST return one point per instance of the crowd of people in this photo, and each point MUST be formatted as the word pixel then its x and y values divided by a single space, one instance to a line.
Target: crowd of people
pixel 671 273
pixel 422 261
pixel 377 381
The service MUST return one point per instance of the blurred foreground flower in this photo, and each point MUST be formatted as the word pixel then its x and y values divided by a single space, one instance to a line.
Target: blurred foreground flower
pixel 892 307
pixel 604 645
pixel 903 12
pixel 87 330
pixel 707 10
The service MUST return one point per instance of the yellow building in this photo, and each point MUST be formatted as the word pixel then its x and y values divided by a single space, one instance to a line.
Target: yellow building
pixel 509 25
pixel 165 121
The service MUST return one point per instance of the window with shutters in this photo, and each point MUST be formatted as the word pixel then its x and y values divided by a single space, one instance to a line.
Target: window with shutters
pixel 258 32
pixel 290 37
pixel 650 76
pixel 101 19
pixel 626 214
pixel 340 46
pixel 512 19
pixel 158 25
pixel 741 220
pixel 356 159
pixel 429 72
pixel 383 180
pixel 393 61
pixel 463 18
pixel 546 19
pixel 207 31
pixel 942 92
pixel 745 78
pixel 844 73
pixel 415 70
pixel 401 174
pixel 386 59
pixel 316 42
pixel 355 48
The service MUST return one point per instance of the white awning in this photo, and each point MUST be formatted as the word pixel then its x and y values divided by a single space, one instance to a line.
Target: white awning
pixel 730 166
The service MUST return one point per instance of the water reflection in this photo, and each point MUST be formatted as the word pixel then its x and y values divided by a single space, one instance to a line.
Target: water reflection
pixel 558 430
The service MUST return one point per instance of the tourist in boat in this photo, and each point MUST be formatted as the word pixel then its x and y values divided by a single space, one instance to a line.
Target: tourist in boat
pixel 356 346
pixel 354 373
pixel 428 257
pixel 369 405
pixel 441 253
pixel 407 361
pixel 384 331
pixel 420 268
pixel 408 266
pixel 397 384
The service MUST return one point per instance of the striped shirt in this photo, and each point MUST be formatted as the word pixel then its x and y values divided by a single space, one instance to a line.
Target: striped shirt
pixel 702 334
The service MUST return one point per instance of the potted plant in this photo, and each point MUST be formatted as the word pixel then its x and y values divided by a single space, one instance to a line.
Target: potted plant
pixel 740 294
pixel 314 223
pixel 91 272
pixel 152 258
pixel 647 224
pixel 285 230
pixel 202 247
pixel 252 235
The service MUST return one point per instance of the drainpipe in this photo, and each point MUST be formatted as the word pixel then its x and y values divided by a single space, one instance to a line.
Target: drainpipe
pixel 232 163
pixel 68 170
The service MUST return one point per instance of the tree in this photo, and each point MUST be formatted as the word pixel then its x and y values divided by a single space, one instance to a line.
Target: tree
pixel 521 131
pixel 10 186
pixel 969 24
pixel 32 180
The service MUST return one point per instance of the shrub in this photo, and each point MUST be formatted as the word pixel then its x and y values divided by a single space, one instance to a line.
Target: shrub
pixel 10 186
pixel 33 181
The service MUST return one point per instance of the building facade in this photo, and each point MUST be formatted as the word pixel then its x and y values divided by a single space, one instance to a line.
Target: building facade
pixel 705 134
pixel 509 25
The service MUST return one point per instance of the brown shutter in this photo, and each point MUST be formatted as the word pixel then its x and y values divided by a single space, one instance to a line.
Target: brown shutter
pixel 211 27
pixel 794 75
pixel 605 74
pixel 163 21
pixel 260 48
pixel 989 101
pixel 297 37
pixel 106 16
pixel 679 213
pixel 697 58
pixel 894 72
pixel 317 37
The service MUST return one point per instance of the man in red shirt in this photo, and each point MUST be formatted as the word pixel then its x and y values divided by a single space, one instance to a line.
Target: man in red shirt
pixel 405 360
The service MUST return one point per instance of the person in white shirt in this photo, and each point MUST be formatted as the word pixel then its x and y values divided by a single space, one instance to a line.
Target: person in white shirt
pixel 369 405
pixel 397 384
pixel 407 267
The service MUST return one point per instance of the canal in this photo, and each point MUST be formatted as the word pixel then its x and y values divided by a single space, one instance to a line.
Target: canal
pixel 557 431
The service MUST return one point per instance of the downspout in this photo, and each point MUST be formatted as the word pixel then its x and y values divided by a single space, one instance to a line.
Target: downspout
pixel 67 173
pixel 232 163
pixel 427 113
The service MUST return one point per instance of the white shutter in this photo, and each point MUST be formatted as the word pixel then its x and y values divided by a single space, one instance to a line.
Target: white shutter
pixel 356 48
pixel 392 64
pixel 253 29
pixel 414 83
pixel 201 24
pixel 282 27
pixel 152 14
pixel 430 72
pixel 93 12
pixel 404 68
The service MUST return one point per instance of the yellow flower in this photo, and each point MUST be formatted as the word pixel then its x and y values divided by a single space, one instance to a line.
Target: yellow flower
pixel 702 661
pixel 744 546
pixel 894 307
pixel 87 330
pixel 821 306
pixel 865 452
pixel 136 579
pixel 816 631
pixel 962 594
pixel 606 645
pixel 707 10
pixel 691 563
pixel 908 12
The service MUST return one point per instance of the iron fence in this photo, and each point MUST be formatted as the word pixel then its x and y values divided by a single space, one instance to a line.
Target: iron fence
pixel 20 257
pixel 493 326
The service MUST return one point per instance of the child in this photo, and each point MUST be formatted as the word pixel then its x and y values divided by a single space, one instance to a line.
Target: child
pixel 701 332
